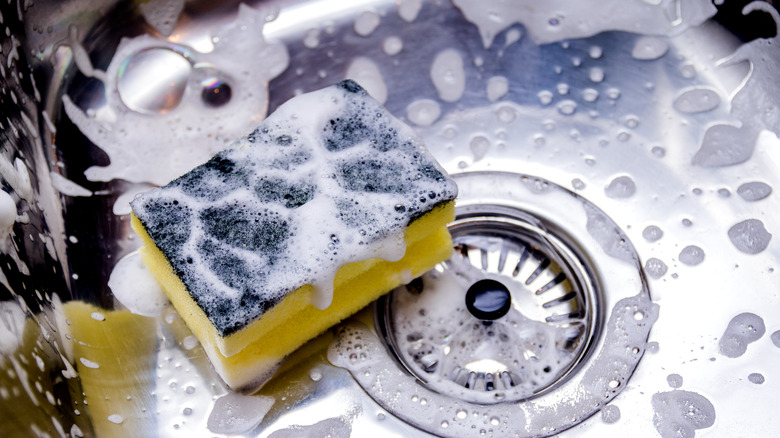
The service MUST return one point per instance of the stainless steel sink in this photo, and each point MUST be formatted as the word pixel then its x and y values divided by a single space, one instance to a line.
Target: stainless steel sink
pixel 616 162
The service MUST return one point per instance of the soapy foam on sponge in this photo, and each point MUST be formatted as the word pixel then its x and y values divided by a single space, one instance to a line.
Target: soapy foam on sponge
pixel 330 179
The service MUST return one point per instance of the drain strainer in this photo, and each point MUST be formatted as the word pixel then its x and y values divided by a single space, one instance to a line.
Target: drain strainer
pixel 535 323
pixel 506 318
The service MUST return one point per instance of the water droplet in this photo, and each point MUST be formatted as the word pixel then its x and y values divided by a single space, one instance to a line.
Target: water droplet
pixel 590 95
pixel 392 45
pixel 545 97
pixel 187 411
pixel 315 375
pixel 596 75
pixel 562 89
pixel 461 414
pixel 674 380
pixel 567 107
pixel 697 100
pixel 756 378
pixel 688 71
pixel 691 255
pixel 506 114
pixel 613 93
pixel 649 48
pixel 620 188
pixel 610 414
pixel 479 146
pixel 595 52
pixel 658 151
pixel 445 424
pixel 116 418
pixel 578 184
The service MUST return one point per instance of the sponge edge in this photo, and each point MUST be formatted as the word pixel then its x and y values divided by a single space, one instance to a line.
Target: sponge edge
pixel 294 320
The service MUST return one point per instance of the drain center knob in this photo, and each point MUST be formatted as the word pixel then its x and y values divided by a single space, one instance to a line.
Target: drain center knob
pixel 488 300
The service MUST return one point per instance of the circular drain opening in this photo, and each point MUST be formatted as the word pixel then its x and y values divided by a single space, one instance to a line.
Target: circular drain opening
pixel 508 317
pixel 592 341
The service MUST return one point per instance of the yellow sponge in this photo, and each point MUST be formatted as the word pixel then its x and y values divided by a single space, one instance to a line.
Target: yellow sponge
pixel 328 204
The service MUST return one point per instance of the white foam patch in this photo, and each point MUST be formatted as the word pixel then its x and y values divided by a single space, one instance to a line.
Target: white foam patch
pixel 235 413
pixel 143 147
pixel 66 186
pixel 409 9
pixel 448 75
pixel 134 286
pixel 366 23
pixel 365 72
pixel 545 23
pixel 162 14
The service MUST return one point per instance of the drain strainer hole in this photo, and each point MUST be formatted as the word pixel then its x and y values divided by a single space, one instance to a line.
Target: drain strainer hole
pixel 507 317
pixel 488 300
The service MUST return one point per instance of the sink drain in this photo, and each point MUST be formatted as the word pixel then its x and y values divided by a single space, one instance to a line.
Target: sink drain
pixel 536 322
pixel 507 317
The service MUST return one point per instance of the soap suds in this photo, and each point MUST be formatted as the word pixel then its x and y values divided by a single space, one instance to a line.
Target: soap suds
pixel 134 286
pixel 655 268
pixel 649 48
pixel 754 103
pixel 545 23
pixel 136 143
pixel 423 112
pixel 681 413
pixel 66 186
pixel 331 428
pixel 750 236
pixel 409 9
pixel 365 72
pixel 620 188
pixel 697 100
pixel 691 255
pixel 742 330
pixel 497 87
pixel 162 14
pixel 366 23
pixel 754 191
pixel 448 75
pixel 235 413
pixel 335 158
